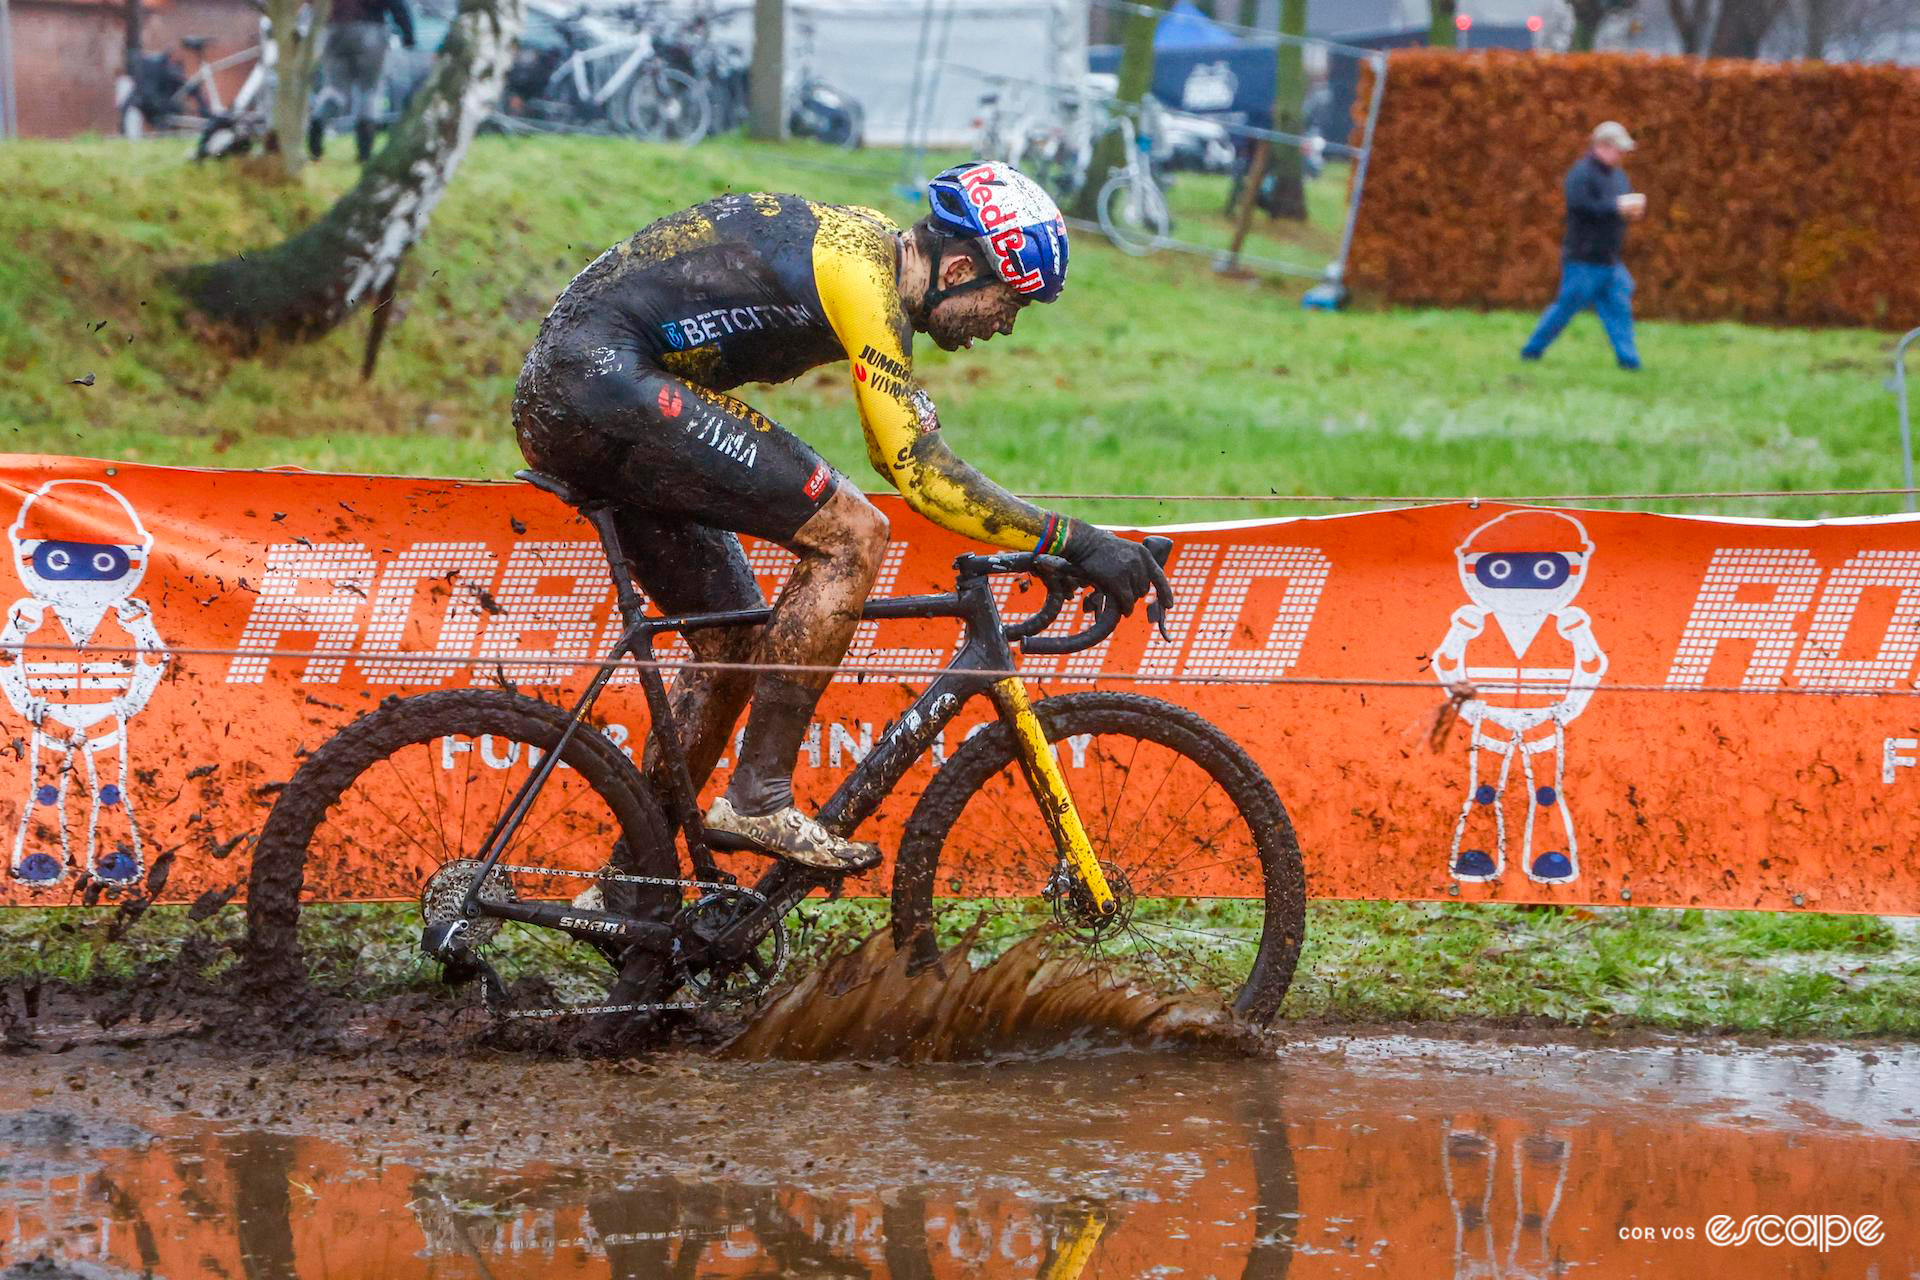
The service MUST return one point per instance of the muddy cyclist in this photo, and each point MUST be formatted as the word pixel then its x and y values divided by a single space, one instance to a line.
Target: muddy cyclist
pixel 624 395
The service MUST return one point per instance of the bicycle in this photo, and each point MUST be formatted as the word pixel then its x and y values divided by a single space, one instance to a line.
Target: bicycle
pixel 621 80
pixel 1133 210
pixel 660 941
pixel 158 94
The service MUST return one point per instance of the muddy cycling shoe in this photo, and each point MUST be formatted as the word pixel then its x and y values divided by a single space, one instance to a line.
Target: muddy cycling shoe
pixel 788 834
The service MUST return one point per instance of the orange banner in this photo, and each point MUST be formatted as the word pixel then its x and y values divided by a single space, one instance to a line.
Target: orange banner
pixel 1470 700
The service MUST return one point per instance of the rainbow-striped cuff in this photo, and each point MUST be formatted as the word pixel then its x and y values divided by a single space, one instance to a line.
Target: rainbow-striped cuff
pixel 1053 536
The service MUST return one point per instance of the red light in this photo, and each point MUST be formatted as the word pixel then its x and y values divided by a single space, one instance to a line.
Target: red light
pixel 1463 21
pixel 1534 24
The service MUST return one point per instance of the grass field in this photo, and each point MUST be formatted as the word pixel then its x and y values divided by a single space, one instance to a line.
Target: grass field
pixel 1154 376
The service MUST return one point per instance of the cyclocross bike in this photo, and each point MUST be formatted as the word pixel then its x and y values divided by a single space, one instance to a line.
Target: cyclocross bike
pixel 1129 824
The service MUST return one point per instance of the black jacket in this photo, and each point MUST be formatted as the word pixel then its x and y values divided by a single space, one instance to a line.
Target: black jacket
pixel 376 11
pixel 1594 225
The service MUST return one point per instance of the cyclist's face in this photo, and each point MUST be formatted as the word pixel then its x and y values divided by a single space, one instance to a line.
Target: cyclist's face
pixel 974 316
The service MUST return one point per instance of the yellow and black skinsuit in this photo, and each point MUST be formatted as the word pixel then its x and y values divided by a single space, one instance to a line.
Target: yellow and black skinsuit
pixel 623 392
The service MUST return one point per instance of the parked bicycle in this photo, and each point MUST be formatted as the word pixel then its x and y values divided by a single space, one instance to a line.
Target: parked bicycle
pixel 1169 854
pixel 587 77
pixel 1132 209
pixel 158 94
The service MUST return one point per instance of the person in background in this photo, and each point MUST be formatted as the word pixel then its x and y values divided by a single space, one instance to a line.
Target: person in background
pixel 1600 203
pixel 350 66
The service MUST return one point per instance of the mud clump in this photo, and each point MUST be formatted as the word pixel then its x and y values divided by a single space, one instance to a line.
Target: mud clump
pixel 1038 997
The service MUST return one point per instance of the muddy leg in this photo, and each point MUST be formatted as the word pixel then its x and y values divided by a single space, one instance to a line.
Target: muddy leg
pixel 840 550
pixel 706 703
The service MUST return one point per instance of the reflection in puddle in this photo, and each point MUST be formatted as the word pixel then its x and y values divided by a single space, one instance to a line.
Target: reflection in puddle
pixel 1328 1164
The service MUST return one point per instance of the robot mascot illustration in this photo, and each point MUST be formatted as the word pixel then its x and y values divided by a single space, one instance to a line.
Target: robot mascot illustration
pixel 1522 570
pixel 80 551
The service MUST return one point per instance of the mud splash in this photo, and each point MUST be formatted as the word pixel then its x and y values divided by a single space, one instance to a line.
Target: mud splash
pixel 1037 997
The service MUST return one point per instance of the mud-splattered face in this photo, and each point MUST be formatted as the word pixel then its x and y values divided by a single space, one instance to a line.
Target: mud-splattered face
pixel 976 315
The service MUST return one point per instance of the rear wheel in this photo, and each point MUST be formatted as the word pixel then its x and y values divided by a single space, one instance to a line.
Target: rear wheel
pixel 394 810
pixel 1196 844
pixel 1134 214
pixel 667 105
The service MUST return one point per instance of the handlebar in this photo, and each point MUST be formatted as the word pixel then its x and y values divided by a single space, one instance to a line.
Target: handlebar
pixel 1062 580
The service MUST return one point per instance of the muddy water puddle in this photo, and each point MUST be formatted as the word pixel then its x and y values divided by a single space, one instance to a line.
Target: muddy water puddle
pixel 1337 1156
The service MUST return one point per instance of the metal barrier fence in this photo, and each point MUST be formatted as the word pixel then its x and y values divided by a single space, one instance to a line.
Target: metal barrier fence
pixel 1898 385
pixel 1185 188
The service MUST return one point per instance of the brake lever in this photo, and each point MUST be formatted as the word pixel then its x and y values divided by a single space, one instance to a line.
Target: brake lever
pixel 1157 612
pixel 1160 548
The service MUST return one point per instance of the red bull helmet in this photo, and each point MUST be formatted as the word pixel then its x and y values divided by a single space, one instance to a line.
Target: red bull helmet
pixel 1015 225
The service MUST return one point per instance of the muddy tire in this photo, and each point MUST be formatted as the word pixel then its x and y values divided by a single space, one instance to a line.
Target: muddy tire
pixel 420 782
pixel 1168 799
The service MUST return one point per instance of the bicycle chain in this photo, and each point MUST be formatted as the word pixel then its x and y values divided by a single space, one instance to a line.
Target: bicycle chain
pixel 596 1010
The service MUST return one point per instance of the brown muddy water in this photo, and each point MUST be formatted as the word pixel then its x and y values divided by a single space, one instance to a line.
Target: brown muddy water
pixel 1330 1155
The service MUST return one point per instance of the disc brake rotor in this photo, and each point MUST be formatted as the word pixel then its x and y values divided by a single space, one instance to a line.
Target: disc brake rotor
pixel 1075 910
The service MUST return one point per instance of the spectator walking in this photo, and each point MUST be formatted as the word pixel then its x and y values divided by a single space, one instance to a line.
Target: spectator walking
pixel 1600 203
pixel 350 66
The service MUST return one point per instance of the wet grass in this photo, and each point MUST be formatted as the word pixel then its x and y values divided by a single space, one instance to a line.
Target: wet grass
pixel 1813 976
pixel 1153 374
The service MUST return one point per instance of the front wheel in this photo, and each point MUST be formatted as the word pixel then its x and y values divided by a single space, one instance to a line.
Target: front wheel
pixel 1195 843
pixel 395 808
pixel 1134 214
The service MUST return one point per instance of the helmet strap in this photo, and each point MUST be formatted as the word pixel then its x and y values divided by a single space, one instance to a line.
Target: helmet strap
pixel 931 248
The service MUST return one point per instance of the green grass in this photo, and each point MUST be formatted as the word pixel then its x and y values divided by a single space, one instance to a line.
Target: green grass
pixel 1605 970
pixel 1153 375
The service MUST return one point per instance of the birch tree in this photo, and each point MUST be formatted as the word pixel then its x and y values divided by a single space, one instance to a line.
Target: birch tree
pixel 306 286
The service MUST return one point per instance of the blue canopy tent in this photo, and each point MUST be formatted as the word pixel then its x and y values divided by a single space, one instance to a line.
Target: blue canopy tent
pixel 1200 66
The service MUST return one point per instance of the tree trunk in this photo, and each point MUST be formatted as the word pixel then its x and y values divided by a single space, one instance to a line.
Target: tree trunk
pixel 1588 15
pixel 1690 18
pixel 1586 24
pixel 1819 16
pixel 766 79
pixel 306 286
pixel 135 34
pixel 1249 13
pixel 1743 25
pixel 1136 77
pixel 296 53
pixel 1441 33
pixel 1289 115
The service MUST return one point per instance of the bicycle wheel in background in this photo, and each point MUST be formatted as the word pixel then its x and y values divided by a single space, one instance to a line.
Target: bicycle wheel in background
pixel 1134 214
pixel 1193 839
pixel 394 809
pixel 667 105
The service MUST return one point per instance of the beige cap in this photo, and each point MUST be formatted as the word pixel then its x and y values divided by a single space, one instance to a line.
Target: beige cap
pixel 1614 134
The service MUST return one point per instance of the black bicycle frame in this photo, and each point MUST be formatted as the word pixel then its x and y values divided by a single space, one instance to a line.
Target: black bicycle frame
pixel 972 671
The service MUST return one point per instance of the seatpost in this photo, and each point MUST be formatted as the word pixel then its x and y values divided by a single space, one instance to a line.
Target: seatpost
pixel 631 605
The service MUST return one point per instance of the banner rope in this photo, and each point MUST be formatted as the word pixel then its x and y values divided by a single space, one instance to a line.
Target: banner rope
pixel 1472 500
pixel 861 673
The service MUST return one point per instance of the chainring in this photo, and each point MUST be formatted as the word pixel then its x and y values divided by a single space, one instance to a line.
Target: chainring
pixel 743 985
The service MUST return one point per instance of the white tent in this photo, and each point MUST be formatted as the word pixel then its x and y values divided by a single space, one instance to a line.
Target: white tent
pixel 885 53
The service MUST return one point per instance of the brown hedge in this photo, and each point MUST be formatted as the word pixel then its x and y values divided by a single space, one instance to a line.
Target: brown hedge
pixel 1776 193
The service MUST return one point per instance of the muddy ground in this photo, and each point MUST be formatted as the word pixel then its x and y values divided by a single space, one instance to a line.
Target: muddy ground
pixel 177 1148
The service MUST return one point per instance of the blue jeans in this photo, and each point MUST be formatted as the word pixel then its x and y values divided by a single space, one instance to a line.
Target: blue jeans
pixel 1608 289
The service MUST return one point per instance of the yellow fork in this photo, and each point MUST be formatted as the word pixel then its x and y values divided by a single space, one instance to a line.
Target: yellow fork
pixel 1050 789
pixel 1074 1253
